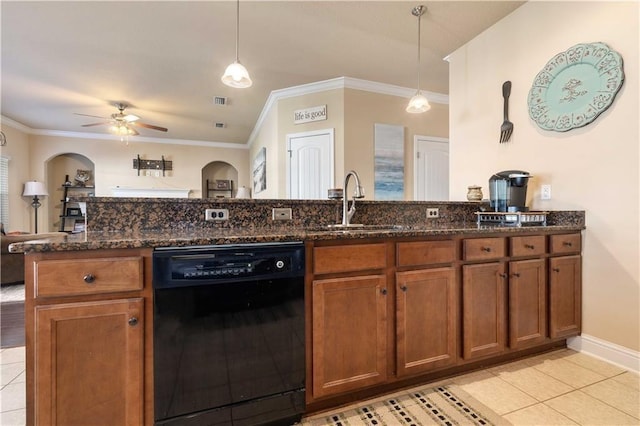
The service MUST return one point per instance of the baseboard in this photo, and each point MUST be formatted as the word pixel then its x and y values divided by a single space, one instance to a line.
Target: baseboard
pixel 606 351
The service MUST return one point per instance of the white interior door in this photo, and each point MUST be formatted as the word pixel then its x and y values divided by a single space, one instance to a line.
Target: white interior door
pixel 310 164
pixel 431 171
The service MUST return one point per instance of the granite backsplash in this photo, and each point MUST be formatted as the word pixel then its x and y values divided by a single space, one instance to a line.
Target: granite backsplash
pixel 105 214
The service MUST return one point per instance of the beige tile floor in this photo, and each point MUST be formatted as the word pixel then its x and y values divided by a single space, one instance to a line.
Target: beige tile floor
pixel 560 388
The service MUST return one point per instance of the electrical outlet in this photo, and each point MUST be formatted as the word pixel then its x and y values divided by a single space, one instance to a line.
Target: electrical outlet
pixel 281 214
pixel 433 213
pixel 545 192
pixel 216 214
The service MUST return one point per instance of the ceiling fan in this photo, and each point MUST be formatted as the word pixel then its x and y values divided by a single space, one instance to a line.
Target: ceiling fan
pixel 122 124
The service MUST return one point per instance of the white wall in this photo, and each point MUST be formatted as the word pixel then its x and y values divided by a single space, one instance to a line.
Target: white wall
pixel 17 152
pixel 113 167
pixel 594 168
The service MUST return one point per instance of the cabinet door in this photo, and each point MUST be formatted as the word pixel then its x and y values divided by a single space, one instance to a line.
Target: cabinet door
pixel 349 333
pixel 89 363
pixel 527 302
pixel 483 309
pixel 565 296
pixel 426 311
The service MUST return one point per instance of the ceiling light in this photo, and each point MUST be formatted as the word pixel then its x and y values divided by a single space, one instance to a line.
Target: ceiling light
pixel 418 102
pixel 236 75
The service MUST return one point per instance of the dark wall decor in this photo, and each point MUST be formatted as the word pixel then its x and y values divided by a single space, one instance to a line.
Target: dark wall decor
pixel 162 164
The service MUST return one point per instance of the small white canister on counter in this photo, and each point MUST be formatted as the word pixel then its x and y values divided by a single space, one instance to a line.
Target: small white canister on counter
pixel 474 193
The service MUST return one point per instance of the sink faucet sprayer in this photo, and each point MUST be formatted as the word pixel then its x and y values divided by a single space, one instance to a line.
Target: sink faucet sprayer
pixel 347 213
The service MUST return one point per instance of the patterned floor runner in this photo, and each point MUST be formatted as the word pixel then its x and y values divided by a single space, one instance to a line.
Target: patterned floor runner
pixel 440 405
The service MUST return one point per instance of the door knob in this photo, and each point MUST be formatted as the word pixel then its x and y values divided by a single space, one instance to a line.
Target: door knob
pixel 133 321
pixel 89 278
pixel 403 287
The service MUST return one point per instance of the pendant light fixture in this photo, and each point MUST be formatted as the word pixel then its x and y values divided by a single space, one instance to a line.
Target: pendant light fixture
pixel 418 102
pixel 236 75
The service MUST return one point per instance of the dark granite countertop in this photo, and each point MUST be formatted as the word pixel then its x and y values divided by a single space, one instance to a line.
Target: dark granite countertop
pixel 151 239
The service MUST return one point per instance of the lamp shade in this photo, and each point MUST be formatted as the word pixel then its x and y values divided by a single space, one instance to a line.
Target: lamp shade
pixel 236 75
pixel 34 188
pixel 418 103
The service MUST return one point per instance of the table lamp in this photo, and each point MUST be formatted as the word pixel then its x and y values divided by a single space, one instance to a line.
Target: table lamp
pixel 35 189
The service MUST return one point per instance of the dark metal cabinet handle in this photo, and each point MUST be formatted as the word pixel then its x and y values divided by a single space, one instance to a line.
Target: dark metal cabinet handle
pixel 403 287
pixel 555 269
pixel 133 321
pixel 529 246
pixel 89 278
pixel 567 244
pixel 383 291
pixel 503 275
pixel 487 249
pixel 515 274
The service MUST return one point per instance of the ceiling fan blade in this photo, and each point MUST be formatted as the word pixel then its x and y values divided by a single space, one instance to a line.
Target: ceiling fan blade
pixel 149 126
pixel 94 116
pixel 96 124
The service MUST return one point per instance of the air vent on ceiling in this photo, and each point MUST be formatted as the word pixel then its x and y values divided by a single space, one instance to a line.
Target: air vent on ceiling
pixel 220 125
pixel 219 100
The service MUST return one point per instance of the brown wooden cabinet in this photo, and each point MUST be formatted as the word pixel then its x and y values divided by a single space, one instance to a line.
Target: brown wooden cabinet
pixel 89 363
pixel 349 333
pixel 88 330
pixel 484 309
pixel 426 320
pixel 527 302
pixel 565 285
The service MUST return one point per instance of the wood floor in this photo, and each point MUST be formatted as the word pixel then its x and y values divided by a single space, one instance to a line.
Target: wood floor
pixel 11 324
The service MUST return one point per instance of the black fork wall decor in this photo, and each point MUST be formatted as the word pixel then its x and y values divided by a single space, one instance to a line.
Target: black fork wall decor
pixel 507 127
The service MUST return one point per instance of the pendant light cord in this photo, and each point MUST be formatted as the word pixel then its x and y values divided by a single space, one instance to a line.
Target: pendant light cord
pixel 237 29
pixel 419 18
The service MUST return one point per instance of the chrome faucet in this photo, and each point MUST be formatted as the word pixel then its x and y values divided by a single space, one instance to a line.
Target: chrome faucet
pixel 347 213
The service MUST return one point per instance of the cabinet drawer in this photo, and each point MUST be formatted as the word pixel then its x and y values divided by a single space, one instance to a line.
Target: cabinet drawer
pixel 87 276
pixel 565 243
pixel 532 245
pixel 484 248
pixel 425 253
pixel 357 257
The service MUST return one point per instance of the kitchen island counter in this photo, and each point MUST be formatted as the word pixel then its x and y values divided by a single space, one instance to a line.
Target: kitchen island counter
pixel 193 237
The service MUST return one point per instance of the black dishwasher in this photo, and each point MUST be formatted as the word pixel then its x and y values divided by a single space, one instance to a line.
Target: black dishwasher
pixel 229 334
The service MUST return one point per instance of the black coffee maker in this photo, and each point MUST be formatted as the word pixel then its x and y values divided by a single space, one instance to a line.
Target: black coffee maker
pixel 508 191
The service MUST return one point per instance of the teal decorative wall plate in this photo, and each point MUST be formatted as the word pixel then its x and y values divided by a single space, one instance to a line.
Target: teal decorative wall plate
pixel 575 86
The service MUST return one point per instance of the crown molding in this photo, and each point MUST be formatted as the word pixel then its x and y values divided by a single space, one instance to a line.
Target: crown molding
pixel 107 136
pixel 339 83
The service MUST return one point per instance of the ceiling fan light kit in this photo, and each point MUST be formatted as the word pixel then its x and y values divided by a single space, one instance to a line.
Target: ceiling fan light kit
pixel 122 124
pixel 236 75
pixel 418 102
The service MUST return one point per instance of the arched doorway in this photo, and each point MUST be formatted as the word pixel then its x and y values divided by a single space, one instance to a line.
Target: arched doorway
pixel 219 180
pixel 63 169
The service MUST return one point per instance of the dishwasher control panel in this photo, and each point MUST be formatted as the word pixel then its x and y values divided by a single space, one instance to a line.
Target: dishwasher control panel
pixel 181 266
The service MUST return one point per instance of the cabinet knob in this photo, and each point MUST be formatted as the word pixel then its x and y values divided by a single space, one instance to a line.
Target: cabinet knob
pixel 383 291
pixel 529 246
pixel 403 287
pixel 487 249
pixel 555 269
pixel 89 278
pixel 503 275
pixel 133 321
pixel 515 274
pixel 567 244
